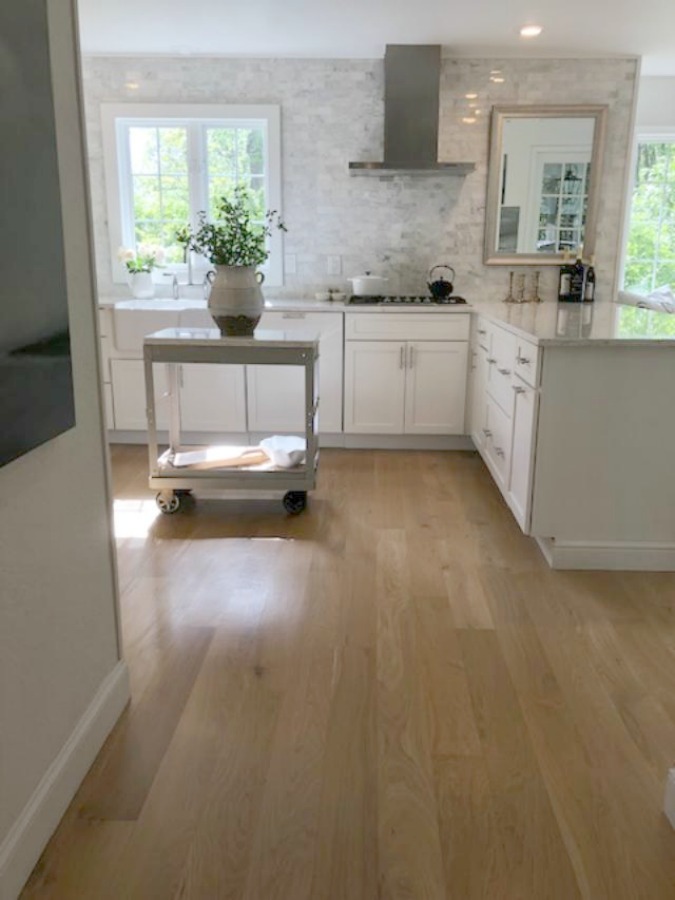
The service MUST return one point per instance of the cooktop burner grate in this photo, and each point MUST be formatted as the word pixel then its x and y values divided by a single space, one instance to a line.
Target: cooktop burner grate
pixel 406 300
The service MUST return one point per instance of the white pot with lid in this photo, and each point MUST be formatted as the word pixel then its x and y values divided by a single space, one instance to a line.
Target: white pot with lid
pixel 369 285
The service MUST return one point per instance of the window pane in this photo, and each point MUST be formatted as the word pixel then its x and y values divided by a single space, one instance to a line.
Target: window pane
pixel 173 151
pixel 143 151
pixel 147 203
pixel 221 151
pixel 220 187
pixel 665 274
pixel 175 198
pixel 638 277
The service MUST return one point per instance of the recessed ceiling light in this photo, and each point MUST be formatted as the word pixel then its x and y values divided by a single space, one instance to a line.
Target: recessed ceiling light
pixel 528 31
pixel 497 79
pixel 471 96
pixel 131 85
pixel 468 120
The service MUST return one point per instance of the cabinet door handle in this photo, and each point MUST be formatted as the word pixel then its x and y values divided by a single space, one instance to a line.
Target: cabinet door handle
pixel 504 371
pixel 491 362
pixel 499 452
pixel 482 347
pixel 401 361
pixel 518 389
pixel 412 356
pixel 180 377
pixel 487 432
pixel 522 360
pixel 482 331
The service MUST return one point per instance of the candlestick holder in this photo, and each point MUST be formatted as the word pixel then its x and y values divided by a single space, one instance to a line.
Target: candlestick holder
pixel 509 297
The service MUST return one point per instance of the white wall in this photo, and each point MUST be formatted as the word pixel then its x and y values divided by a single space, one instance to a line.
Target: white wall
pixel 61 682
pixel 656 103
pixel 332 112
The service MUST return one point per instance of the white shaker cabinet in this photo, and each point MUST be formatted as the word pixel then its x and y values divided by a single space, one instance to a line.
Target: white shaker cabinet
pixel 522 453
pixel 128 389
pixel 405 373
pixel 212 398
pixel 374 387
pixel 276 394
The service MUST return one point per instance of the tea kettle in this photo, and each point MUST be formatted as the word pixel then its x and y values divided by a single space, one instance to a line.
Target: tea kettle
pixel 440 289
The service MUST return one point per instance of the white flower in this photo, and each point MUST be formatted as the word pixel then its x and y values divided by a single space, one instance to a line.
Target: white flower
pixel 124 254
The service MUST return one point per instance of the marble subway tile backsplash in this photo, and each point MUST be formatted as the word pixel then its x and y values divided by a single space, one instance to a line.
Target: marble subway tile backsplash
pixel 331 113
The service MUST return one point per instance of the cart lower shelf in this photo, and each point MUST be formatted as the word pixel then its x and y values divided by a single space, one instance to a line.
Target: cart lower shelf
pixel 170 502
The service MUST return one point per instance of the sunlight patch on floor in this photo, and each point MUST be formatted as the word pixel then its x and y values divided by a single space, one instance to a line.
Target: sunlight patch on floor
pixel 134 518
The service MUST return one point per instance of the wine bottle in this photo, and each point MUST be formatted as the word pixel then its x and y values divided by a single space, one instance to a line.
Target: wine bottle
pixel 564 281
pixel 577 279
pixel 589 287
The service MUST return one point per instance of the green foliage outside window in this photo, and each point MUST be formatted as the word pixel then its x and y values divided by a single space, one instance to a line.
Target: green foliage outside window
pixel 650 252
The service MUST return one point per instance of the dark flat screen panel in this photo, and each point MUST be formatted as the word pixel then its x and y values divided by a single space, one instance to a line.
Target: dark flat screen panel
pixel 36 385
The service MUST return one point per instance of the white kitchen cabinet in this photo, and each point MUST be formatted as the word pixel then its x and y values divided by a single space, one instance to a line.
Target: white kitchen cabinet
pixel 128 387
pixel 435 388
pixel 411 386
pixel 375 377
pixel 478 371
pixel 212 398
pixel 275 395
pixel 522 453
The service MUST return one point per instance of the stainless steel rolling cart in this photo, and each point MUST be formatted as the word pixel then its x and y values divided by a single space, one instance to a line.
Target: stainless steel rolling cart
pixel 169 474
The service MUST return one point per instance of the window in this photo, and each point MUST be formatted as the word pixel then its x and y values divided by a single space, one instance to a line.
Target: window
pixel 166 163
pixel 650 246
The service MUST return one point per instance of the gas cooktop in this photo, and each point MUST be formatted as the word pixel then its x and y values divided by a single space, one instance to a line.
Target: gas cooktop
pixel 406 300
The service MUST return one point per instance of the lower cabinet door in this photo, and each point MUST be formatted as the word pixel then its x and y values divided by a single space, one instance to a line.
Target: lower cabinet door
pixel 212 398
pixel 477 394
pixel 497 452
pixel 128 388
pixel 374 387
pixel 522 454
pixel 435 393
pixel 276 399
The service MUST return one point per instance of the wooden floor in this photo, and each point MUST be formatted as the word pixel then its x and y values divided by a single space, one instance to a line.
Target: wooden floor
pixel 390 696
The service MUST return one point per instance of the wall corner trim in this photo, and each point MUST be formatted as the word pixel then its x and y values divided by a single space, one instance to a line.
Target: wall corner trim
pixel 21 849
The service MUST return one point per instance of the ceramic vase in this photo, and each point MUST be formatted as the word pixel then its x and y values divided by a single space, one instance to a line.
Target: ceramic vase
pixel 236 300
pixel 141 285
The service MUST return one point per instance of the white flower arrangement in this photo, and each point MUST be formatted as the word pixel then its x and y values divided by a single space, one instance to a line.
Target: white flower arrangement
pixel 145 258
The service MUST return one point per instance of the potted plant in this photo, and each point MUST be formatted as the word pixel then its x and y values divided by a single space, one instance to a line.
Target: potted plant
pixel 236 246
pixel 139 264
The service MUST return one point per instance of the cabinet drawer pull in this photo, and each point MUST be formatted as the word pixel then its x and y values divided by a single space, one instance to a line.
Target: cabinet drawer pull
pixel 487 432
pixel 518 389
pixel 401 361
pixel 522 360
pixel 293 315
pixel 499 452
pixel 412 355
pixel 482 347
pixel 504 371
pixel 482 331
pixel 491 362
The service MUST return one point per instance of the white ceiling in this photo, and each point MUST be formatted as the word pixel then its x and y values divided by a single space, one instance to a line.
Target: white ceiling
pixel 362 28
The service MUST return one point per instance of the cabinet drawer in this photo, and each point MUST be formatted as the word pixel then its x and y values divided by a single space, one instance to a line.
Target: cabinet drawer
pixel 482 335
pixel 498 431
pixel 407 326
pixel 527 361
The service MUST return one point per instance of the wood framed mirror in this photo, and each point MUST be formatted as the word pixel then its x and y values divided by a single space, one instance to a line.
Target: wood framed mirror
pixel 544 175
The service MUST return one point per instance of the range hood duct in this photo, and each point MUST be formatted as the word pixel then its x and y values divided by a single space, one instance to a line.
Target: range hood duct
pixel 411 98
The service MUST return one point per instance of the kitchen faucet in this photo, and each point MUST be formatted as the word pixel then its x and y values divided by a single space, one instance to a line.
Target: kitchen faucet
pixel 175 287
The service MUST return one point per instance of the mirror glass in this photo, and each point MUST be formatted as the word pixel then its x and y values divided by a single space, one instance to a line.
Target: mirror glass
pixel 544 163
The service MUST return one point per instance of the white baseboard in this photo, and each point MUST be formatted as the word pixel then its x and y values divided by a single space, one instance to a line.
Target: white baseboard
pixel 408 442
pixel 21 849
pixel 669 799
pixel 611 556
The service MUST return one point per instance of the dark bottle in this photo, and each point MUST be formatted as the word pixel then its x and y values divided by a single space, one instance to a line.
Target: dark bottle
pixel 565 279
pixel 577 280
pixel 589 287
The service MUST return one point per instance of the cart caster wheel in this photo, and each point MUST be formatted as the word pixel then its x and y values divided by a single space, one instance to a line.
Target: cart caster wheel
pixel 295 501
pixel 168 503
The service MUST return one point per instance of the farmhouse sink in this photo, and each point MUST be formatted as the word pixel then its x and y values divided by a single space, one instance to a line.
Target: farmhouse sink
pixel 133 319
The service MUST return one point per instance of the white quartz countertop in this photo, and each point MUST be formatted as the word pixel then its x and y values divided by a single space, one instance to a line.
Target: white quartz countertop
pixel 602 323
pixel 281 304
pixel 583 324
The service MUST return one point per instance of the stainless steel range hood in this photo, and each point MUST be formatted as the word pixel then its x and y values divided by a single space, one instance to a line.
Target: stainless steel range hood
pixel 411 95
